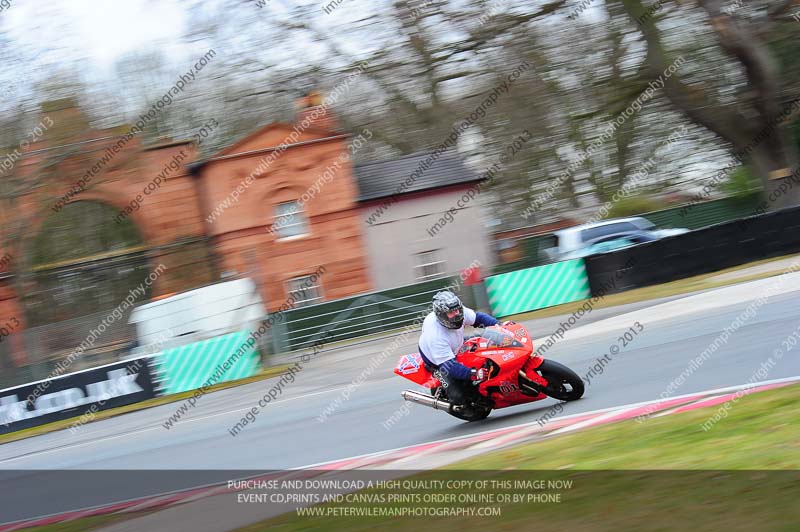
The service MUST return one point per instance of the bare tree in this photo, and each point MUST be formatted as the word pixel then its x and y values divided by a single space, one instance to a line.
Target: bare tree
pixel 754 123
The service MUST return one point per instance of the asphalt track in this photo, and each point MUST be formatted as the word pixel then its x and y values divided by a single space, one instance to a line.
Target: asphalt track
pixel 288 432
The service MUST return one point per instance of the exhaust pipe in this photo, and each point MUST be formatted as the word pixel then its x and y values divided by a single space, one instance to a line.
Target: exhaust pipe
pixel 426 400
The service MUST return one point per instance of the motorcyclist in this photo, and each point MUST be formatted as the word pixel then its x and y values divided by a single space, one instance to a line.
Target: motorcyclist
pixel 442 336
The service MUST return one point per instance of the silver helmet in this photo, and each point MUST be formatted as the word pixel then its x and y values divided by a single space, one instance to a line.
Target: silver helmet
pixel 448 309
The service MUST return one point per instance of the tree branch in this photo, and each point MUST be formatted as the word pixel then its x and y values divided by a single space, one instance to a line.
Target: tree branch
pixel 742 44
pixel 724 122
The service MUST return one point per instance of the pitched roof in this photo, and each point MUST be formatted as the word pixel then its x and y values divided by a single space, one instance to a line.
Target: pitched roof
pixel 385 178
pixel 233 148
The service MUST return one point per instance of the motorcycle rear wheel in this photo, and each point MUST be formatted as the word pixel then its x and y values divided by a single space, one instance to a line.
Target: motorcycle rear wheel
pixel 471 413
pixel 558 376
pixel 475 411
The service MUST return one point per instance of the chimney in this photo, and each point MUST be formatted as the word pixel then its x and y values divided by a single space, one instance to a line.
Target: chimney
pixel 311 113
pixel 68 120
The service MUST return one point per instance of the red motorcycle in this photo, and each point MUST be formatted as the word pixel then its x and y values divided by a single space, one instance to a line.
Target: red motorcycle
pixel 516 374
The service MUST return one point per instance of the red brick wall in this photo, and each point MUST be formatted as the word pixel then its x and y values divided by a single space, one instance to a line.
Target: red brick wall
pixel 179 208
pixel 241 231
pixel 170 212
pixel 10 312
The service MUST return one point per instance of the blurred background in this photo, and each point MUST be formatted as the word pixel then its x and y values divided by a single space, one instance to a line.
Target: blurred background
pixel 585 110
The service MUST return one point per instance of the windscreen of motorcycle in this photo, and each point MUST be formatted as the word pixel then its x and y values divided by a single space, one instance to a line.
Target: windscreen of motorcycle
pixel 497 339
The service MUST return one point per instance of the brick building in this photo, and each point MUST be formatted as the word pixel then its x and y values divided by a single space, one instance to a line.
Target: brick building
pixel 274 206
pixel 265 233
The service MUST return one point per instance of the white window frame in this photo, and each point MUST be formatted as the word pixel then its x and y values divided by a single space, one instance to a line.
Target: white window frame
pixel 422 265
pixel 276 218
pixel 307 301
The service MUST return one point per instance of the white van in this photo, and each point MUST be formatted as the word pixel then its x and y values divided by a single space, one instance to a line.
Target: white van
pixel 197 315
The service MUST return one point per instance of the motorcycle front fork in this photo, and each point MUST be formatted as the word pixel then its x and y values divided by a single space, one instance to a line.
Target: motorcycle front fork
pixel 530 382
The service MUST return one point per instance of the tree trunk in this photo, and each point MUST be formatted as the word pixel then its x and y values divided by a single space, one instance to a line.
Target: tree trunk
pixel 781 190
pixel 762 141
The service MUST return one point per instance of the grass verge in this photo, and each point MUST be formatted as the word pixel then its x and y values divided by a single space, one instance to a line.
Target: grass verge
pixel 150 403
pixel 85 524
pixel 762 431
pixel 682 286
pixel 709 480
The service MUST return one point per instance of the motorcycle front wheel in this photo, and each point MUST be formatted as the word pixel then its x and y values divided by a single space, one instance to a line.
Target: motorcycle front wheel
pixel 563 383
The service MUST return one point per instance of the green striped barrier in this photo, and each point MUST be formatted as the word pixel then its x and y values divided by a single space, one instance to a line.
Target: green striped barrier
pixel 220 359
pixel 539 287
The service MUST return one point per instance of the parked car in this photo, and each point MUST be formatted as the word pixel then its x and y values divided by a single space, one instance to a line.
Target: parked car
pixel 600 237
pixel 612 243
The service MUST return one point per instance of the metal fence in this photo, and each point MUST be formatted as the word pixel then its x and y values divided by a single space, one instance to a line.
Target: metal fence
pixel 706 213
pixel 61 291
pixel 360 316
pixel 47 345
pixel 55 341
